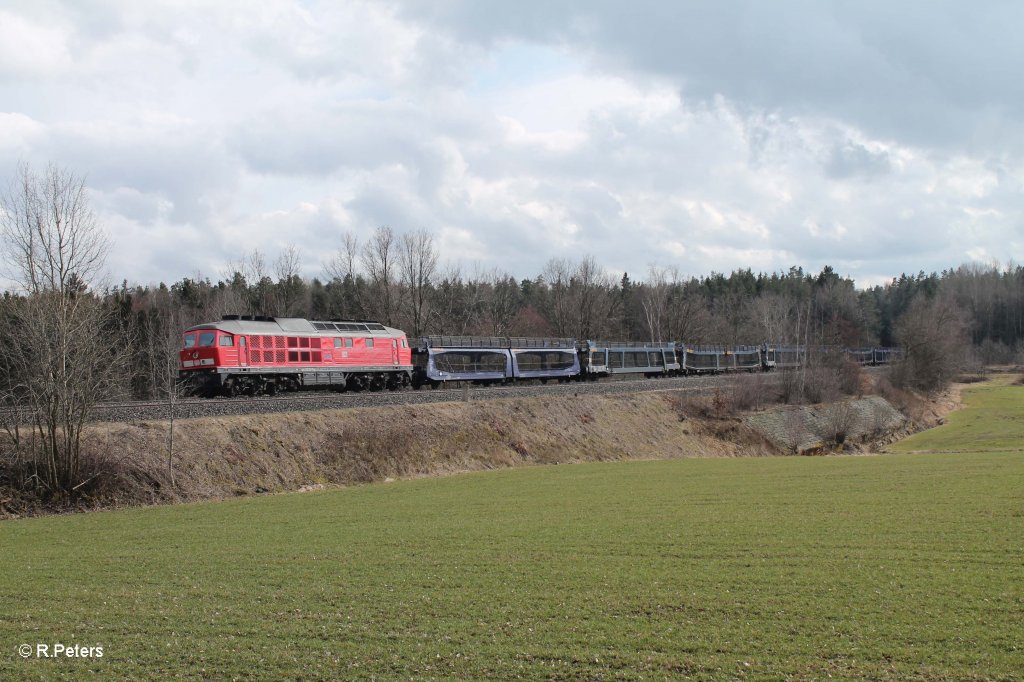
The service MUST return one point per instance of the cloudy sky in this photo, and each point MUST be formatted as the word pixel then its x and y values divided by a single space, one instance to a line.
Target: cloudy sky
pixel 878 137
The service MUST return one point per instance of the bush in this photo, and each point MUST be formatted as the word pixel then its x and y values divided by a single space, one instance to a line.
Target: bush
pixel 991 352
pixel 933 336
pixel 840 418
pixel 753 393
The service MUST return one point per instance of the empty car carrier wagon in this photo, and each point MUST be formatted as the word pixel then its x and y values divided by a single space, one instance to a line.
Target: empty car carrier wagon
pixel 489 360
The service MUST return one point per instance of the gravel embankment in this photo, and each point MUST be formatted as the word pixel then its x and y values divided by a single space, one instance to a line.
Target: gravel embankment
pixel 323 400
pixel 127 412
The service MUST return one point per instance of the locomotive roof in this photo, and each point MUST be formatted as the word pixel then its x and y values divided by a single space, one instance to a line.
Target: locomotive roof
pixel 280 326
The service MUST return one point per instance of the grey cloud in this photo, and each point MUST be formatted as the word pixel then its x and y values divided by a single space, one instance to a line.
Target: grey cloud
pixel 926 72
pixel 181 166
pixel 850 160
pixel 780 115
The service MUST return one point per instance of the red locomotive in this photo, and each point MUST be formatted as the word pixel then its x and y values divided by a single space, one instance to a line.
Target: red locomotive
pixel 264 355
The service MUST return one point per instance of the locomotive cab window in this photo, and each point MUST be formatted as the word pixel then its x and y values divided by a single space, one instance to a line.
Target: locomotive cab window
pixel 348 343
pixel 206 339
pixel 369 343
pixel 190 340
pixel 227 340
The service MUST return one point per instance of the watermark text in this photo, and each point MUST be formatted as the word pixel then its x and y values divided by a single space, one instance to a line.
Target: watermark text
pixel 59 650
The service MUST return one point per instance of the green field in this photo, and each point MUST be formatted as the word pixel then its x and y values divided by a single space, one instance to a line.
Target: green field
pixel 992 419
pixel 906 566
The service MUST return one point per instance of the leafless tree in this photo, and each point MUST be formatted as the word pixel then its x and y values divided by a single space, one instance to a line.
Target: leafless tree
pixel 592 303
pixel 500 301
pixel 345 261
pixel 379 256
pixel 287 267
pixel 771 314
pixel 249 289
pixel 59 350
pixel 654 298
pixel 933 336
pixel 454 306
pixel 557 275
pixel 417 259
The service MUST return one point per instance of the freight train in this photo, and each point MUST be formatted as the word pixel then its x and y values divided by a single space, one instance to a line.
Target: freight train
pixel 266 355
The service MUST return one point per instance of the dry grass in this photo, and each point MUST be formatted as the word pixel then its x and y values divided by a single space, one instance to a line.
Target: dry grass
pixel 223 457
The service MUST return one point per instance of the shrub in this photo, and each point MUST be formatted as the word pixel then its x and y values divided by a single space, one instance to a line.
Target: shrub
pixel 933 336
pixel 840 418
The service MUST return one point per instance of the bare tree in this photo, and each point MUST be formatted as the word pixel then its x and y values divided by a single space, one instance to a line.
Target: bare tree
pixel 654 301
pixel 453 310
pixel 500 301
pixel 290 286
pixel 933 335
pixel 557 275
pixel 379 255
pixel 249 289
pixel 592 303
pixel 771 313
pixel 60 348
pixel 342 273
pixel 344 262
pixel 417 259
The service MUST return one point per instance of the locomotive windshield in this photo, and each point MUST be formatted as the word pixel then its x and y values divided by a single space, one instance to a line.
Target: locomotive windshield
pixel 190 340
pixel 206 339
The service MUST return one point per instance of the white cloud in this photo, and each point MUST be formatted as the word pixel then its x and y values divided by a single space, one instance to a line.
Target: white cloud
pixel 32 49
pixel 704 136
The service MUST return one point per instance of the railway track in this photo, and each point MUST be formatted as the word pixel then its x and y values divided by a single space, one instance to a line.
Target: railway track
pixel 192 408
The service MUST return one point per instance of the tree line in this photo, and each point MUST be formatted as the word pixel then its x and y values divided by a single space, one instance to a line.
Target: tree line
pixel 67 340
pixel 395 279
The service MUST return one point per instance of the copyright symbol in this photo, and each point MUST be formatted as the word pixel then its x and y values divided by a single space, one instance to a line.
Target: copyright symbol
pixel 25 650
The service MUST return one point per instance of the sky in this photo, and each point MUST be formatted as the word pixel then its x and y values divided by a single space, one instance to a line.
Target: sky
pixel 872 136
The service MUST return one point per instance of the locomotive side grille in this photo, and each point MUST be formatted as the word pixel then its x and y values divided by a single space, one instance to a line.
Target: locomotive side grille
pixel 279 356
pixel 278 342
pixel 256 341
pixel 268 355
pixel 317 357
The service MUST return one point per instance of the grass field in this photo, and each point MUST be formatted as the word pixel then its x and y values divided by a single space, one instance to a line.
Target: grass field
pixel 907 566
pixel 992 419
